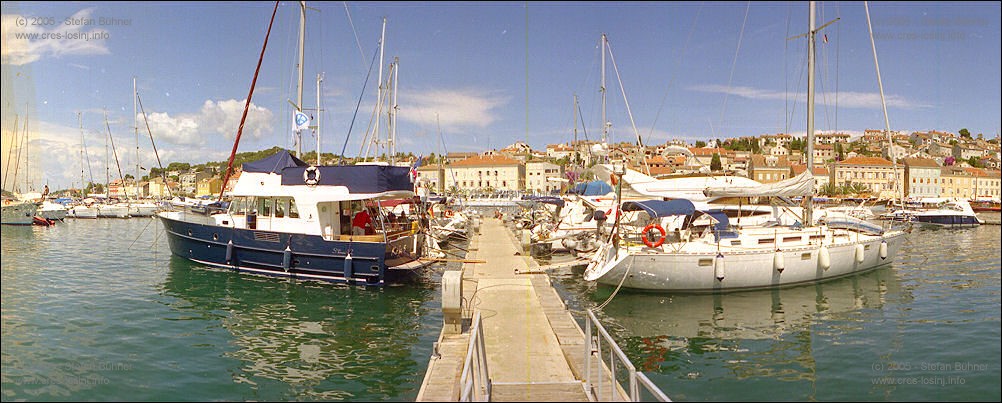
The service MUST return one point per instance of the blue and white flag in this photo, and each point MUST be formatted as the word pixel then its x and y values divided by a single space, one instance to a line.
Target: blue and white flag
pixel 300 121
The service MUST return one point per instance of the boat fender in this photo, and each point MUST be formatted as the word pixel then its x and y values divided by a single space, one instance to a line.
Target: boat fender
pixel 647 229
pixel 311 176
pixel 286 258
pixel 778 262
pixel 860 253
pixel 347 268
pixel 824 258
pixel 883 250
pixel 718 267
pixel 229 252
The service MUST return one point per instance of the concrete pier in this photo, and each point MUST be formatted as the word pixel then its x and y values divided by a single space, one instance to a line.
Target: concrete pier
pixel 534 348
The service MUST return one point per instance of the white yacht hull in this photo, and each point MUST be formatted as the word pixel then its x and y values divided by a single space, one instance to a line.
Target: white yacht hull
pixel 743 269
pixel 113 211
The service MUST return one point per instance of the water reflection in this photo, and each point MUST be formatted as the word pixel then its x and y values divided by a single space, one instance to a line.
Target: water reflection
pixel 309 340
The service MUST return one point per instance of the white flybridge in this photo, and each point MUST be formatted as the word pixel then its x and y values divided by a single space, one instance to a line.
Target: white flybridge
pixel 690 248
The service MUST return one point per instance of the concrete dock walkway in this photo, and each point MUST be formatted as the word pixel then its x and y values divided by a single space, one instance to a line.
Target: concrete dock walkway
pixel 534 348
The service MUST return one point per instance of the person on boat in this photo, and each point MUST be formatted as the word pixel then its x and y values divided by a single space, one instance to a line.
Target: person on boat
pixel 362 223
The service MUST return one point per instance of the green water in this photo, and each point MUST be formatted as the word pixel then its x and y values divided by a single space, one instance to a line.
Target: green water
pixel 86 317
pixel 926 328
pixel 99 310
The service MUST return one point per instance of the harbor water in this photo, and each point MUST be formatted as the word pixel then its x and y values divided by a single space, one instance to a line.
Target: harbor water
pixel 100 310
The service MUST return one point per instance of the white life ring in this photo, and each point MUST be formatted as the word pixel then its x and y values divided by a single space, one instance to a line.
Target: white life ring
pixel 311 176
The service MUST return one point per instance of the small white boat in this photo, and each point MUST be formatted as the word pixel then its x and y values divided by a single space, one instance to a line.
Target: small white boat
pixel 112 211
pixel 52 211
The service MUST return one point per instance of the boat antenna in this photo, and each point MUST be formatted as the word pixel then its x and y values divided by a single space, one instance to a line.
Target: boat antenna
pixel 243 118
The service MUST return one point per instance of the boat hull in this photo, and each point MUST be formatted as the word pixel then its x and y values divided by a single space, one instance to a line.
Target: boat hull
pixel 18 214
pixel 309 256
pixel 748 270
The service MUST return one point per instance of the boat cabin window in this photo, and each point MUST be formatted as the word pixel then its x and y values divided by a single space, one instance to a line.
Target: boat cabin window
pixel 293 211
pixel 280 206
pixel 242 205
pixel 264 207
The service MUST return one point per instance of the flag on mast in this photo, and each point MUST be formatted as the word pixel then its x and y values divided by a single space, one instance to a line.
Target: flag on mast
pixel 300 121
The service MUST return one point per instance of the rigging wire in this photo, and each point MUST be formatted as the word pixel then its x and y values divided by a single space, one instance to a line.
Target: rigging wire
pixel 357 106
pixel 671 80
pixel 734 63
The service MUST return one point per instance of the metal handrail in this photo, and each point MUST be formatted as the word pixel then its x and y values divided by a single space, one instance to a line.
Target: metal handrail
pixel 605 376
pixel 475 381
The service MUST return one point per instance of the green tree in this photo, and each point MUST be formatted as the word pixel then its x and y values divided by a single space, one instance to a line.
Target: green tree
pixel 700 144
pixel 715 164
pixel 839 152
pixel 974 161
pixel 964 133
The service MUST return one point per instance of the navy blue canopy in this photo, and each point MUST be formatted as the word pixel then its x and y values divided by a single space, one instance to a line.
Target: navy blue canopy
pixel 661 208
pixel 545 199
pixel 595 188
pixel 275 163
pixel 358 178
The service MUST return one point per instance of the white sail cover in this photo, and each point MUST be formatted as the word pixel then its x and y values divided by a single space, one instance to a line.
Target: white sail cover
pixel 800 185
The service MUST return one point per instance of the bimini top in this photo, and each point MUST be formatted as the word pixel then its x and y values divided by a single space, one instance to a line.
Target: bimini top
pixel 661 208
pixel 274 164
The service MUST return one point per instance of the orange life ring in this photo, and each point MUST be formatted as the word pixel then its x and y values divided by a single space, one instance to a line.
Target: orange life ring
pixel 660 241
pixel 448 214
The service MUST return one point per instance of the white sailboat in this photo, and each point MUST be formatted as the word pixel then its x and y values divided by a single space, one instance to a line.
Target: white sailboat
pixel 685 248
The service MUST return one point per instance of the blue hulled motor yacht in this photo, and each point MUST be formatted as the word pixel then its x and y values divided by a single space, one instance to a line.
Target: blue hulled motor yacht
pixel 287 218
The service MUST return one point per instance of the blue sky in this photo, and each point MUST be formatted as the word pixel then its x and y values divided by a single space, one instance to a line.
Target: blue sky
pixel 489 74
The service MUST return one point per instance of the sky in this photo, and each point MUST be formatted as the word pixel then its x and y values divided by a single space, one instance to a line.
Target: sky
pixel 473 76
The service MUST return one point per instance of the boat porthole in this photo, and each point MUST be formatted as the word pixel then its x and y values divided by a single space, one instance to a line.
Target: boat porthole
pixel 375 269
pixel 189 232
pixel 215 237
pixel 295 262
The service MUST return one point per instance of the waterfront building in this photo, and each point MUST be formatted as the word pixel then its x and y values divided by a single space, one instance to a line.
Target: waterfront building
pixel 538 176
pixel 921 178
pixel 831 138
pixel 879 175
pixel 768 169
pixel 480 173
pixel 209 187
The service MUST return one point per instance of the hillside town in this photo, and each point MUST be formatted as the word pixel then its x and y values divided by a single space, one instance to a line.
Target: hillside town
pixel 924 164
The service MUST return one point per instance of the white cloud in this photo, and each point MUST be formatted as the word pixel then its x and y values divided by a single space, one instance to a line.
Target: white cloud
pixel 55 153
pixel 215 118
pixel 865 100
pixel 456 109
pixel 24 43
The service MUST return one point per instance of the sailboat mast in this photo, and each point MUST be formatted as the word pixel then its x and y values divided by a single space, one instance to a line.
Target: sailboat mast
pixel 809 206
pixel 299 89
pixel 83 186
pixel 380 89
pixel 320 80
pixel 883 103
pixel 135 125
pixel 605 122
pixel 393 111
pixel 107 161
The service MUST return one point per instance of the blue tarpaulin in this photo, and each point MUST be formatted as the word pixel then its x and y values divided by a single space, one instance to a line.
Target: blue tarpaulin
pixel 274 164
pixel 357 178
pixel 595 188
